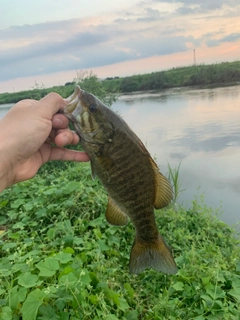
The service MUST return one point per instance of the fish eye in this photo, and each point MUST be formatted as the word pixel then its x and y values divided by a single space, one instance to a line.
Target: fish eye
pixel 92 107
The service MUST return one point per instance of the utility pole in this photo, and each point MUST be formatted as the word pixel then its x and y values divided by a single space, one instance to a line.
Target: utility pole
pixel 194 57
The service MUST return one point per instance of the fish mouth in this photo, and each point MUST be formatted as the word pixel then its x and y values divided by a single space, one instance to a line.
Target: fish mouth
pixel 74 100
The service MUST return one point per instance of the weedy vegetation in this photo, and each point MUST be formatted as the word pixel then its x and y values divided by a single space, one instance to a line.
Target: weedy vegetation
pixel 173 177
pixel 60 259
pixel 218 74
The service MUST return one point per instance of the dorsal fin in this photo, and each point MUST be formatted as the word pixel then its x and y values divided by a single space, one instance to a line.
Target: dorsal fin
pixel 163 188
pixel 115 215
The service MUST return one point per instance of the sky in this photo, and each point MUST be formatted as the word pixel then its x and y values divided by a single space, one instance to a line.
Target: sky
pixel 47 42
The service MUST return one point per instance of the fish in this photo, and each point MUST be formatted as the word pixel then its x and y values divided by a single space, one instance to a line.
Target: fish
pixel 130 176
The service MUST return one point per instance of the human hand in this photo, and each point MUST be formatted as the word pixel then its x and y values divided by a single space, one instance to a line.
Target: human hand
pixel 26 135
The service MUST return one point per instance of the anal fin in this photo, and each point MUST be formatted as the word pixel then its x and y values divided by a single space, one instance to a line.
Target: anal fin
pixel 115 215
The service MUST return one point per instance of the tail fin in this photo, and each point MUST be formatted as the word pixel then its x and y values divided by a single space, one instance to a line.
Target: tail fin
pixel 154 255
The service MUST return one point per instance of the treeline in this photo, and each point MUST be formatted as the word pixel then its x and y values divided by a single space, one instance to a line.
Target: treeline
pixel 36 94
pixel 220 73
pixel 226 72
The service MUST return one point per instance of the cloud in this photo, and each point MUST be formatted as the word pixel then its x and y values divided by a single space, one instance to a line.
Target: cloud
pixel 145 29
pixel 188 7
pixel 151 15
pixel 59 46
pixel 80 52
pixel 213 42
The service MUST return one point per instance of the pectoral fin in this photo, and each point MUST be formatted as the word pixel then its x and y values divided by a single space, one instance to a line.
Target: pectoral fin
pixel 115 215
pixel 163 189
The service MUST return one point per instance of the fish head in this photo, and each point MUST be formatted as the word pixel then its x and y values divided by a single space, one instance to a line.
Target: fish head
pixel 88 114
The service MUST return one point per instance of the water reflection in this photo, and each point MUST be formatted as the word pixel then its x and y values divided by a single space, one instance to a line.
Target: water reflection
pixel 194 141
pixel 201 128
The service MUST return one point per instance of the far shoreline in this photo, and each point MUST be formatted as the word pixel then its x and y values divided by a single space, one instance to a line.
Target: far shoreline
pixel 195 76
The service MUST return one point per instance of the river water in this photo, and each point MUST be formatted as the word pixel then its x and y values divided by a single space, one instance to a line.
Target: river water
pixel 199 128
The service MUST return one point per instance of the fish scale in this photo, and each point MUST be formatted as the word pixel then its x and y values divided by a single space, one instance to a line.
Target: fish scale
pixel 130 176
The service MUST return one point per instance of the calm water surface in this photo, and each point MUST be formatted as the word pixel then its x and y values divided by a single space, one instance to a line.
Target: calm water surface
pixel 4 108
pixel 199 128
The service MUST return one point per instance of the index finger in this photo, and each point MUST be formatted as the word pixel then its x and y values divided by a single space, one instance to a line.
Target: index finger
pixel 51 104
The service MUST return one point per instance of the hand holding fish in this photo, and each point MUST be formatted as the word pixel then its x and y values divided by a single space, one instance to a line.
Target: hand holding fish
pixel 27 134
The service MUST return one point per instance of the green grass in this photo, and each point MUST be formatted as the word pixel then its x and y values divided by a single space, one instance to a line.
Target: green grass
pixel 60 259
pixel 173 177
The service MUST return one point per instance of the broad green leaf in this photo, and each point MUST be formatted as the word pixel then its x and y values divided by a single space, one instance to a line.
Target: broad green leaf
pixel 216 316
pixel 96 222
pixel 117 299
pixel 28 280
pixel 3 203
pixel 103 245
pixel 68 280
pixel 47 312
pixel 51 233
pixel 48 267
pixel 31 304
pixel 6 313
pixel 235 292
pixel 129 289
pixel 65 271
pixel 17 295
pixel 206 297
pixel 94 299
pixel 216 293
pixel 18 225
pixel 64 316
pixel 199 318
pixel 238 266
pixel 72 186
pixel 123 305
pixel 131 315
pixel 17 203
pixel 69 250
pixel 178 286
pixel 85 277
pixel 9 245
pixel 206 280
pixel 64 257
pixel 111 317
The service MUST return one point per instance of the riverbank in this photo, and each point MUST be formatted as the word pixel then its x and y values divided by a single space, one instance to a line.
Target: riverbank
pixel 214 74
pixel 60 258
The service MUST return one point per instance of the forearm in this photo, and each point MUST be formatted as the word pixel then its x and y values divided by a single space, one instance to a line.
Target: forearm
pixel 5 169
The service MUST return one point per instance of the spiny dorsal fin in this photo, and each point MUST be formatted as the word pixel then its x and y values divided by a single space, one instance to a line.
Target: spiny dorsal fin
pixel 115 215
pixel 163 188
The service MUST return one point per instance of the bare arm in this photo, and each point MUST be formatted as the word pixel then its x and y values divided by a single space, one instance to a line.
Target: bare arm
pixel 26 135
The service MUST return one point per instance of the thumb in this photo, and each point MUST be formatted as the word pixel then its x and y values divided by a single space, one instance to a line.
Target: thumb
pixel 50 104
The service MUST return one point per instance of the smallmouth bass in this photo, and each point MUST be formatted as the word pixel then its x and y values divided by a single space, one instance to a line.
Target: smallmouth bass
pixel 128 173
